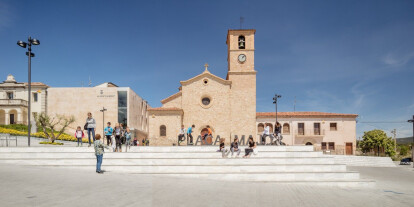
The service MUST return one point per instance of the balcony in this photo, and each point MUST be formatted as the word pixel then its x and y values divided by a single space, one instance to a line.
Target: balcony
pixel 13 102
pixel 310 132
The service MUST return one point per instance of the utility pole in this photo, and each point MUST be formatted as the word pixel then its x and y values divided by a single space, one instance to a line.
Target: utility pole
pixel 412 145
pixel 275 102
pixel 394 132
pixel 103 123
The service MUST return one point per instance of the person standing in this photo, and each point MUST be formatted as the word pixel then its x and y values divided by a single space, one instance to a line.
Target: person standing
pixel 108 133
pixel 118 134
pixel 99 150
pixel 127 139
pixel 278 131
pixel 189 135
pixel 91 127
pixel 79 135
pixel 181 137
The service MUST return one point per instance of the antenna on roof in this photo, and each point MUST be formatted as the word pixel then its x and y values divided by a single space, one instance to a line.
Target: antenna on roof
pixel 90 82
pixel 294 105
pixel 241 22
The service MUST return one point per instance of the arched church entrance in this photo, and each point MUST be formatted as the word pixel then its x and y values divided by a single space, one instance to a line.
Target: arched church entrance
pixel 203 132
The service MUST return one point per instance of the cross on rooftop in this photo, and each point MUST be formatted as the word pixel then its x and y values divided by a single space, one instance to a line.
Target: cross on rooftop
pixel 206 65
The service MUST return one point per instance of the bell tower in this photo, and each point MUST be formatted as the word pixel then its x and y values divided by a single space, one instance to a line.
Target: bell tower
pixel 241 72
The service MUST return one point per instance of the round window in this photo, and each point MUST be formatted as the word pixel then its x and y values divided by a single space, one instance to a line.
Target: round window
pixel 205 101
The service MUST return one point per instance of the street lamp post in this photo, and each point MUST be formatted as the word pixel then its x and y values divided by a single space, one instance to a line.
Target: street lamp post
pixel 412 145
pixel 103 122
pixel 275 102
pixel 29 53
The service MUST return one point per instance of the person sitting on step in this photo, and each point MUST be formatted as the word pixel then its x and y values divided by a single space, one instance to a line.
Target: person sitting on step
pixel 234 147
pixel 249 151
pixel 222 148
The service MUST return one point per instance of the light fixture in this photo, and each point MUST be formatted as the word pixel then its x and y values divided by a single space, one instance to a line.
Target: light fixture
pixel 35 42
pixel 21 44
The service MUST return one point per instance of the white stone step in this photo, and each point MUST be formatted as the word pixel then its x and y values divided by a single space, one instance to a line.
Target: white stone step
pixel 172 161
pixel 151 154
pixel 367 161
pixel 156 149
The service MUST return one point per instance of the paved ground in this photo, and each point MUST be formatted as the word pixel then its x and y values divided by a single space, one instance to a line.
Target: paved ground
pixel 39 186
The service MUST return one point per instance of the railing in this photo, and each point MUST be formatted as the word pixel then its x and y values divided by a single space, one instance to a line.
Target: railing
pixel 13 102
pixel 310 132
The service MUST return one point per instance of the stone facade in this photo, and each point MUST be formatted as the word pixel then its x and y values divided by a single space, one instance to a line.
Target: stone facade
pixel 228 105
pixel 332 129
pixel 14 101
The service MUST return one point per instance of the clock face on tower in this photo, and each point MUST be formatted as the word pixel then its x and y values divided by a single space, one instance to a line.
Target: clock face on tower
pixel 242 58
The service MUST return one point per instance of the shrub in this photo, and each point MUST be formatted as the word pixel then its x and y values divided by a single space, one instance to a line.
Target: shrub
pixel 52 143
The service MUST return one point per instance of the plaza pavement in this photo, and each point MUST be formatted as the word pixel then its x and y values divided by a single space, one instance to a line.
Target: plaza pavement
pixel 48 186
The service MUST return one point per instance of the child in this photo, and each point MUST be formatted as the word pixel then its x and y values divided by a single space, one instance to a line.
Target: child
pixel 127 139
pixel 222 149
pixel 108 133
pixel 136 142
pixel 181 137
pixel 99 150
pixel 79 135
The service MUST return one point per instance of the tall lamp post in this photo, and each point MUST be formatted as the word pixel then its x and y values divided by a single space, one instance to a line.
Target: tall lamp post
pixel 412 145
pixel 29 53
pixel 103 122
pixel 275 102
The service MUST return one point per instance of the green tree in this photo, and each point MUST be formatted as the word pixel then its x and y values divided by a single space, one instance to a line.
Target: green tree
pixel 375 139
pixel 57 125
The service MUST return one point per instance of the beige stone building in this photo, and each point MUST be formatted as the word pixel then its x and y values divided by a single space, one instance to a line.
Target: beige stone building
pixel 14 100
pixel 122 105
pixel 228 106
pixel 333 133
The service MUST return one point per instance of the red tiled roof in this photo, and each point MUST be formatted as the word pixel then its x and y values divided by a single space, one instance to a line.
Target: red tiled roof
pixel 164 109
pixel 304 114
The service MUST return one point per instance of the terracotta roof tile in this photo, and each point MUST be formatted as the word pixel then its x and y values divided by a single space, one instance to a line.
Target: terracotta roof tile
pixel 36 84
pixel 165 109
pixel 304 114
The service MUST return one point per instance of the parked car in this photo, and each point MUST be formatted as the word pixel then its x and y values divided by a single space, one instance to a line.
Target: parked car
pixel 406 161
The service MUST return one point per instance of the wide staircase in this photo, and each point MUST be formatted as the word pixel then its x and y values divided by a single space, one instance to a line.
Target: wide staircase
pixel 280 164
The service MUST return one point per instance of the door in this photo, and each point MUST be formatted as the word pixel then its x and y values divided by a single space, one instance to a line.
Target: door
pixel 349 149
pixel 11 118
pixel 317 128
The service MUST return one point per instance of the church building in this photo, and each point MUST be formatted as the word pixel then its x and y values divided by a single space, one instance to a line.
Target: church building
pixel 228 105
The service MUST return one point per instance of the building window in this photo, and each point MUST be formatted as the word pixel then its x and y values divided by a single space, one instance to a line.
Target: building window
pixel 123 107
pixel 163 131
pixel 205 101
pixel 301 128
pixel 317 128
pixel 286 128
pixel 323 145
pixel 242 42
pixel 331 145
pixel 9 95
pixel 35 98
pixel 333 126
pixel 205 81
pixel 260 128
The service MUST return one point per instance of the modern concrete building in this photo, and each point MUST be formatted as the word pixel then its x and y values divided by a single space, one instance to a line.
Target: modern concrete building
pixel 122 105
pixel 14 100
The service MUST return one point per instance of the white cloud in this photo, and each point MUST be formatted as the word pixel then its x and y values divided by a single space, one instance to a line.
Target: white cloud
pixel 397 60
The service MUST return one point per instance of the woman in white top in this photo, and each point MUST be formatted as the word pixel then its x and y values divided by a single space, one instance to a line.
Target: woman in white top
pixel 91 127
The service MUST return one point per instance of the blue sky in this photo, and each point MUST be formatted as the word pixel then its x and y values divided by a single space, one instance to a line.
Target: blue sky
pixel 334 56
